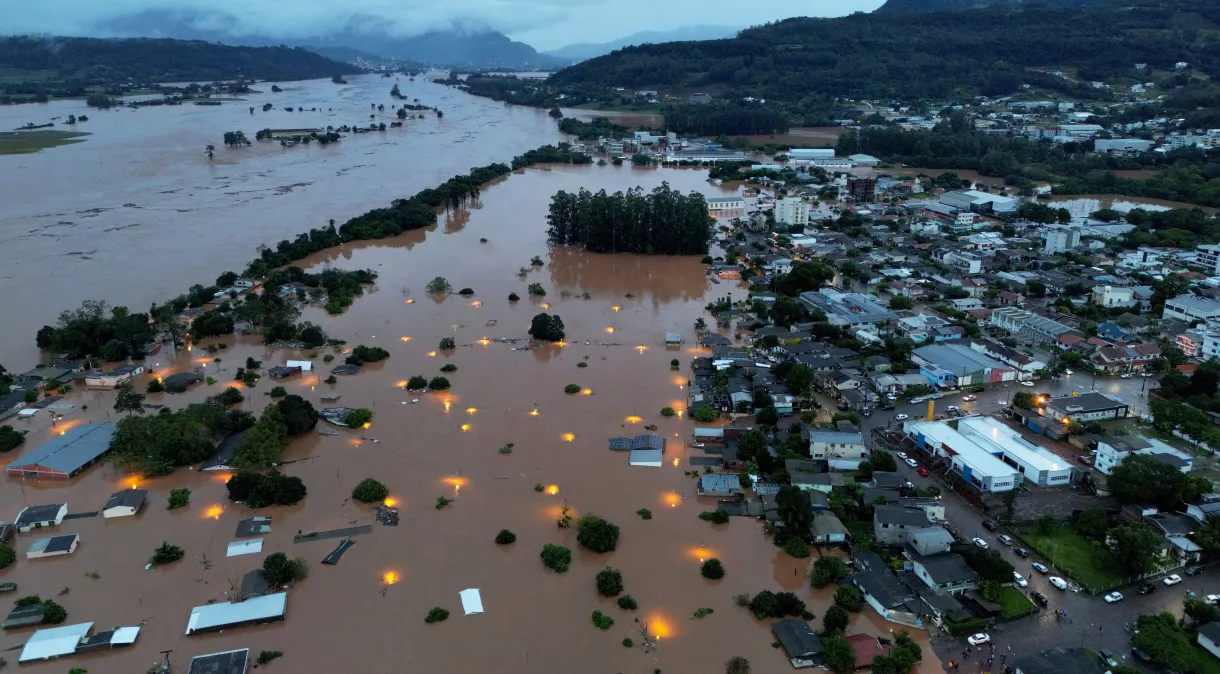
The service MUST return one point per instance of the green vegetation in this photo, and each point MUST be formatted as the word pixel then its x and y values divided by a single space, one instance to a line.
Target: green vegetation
pixel 513 297
pixel 53 613
pixel 260 490
pixel 166 554
pixel 556 557
pixel 593 129
pixel 370 491
pixel 705 414
pixel 627 603
pixel 1014 602
pixel 904 655
pixel 1171 645
pixel 1084 560
pixel 447 344
pixel 796 547
pixel 737 665
pixel 768 604
pixel 366 354
pixel 596 533
pixel 703 612
pixel 277 392
pixel 714 516
pixel 536 290
pixel 644 513
pixel 849 598
pixel 10 438
pixel 7 556
pixel 29 142
pixel 836 619
pixel 547 328
pixel 437 614
pixel 631 222
pixel 712 568
pixel 627 642
pixel 571 388
pixel 602 621
pixel 281 571
pixel 539 487
pixel 827 570
pixel 505 537
pixel 609 582
pixel 506 448
pixel 267 656
pixel 178 498
pixel 667 411
pixel 442 501
pixel 438 286
pixel 449 367
pixel 358 417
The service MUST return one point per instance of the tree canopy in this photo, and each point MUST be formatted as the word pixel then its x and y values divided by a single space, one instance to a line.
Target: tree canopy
pixel 660 222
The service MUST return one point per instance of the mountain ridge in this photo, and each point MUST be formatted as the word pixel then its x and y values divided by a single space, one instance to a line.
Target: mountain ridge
pixel 925 6
pixel 587 50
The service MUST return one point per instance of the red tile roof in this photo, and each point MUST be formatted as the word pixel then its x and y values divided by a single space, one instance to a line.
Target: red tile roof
pixel 866 647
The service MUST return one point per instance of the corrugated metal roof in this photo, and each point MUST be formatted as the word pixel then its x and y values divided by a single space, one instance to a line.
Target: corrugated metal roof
pixel 71 451
pixel 54 642
pixel 217 616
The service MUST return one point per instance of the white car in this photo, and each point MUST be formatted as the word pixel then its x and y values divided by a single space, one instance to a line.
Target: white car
pixel 1040 568
pixel 969 399
pixel 1113 597
pixel 979 542
pixel 1059 583
pixel 1126 375
pixel 1005 539
pixel 901 417
pixel 1212 599
pixel 891 396
pixel 1172 580
pixel 912 463
pixel 902 455
pixel 1019 579
pixel 1067 372
pixel 1027 383
pixel 977 639
pixel 1146 374
pixel 952 408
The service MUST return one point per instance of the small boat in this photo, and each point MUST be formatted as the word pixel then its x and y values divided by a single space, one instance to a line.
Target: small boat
pixel 331 396
pixel 8 587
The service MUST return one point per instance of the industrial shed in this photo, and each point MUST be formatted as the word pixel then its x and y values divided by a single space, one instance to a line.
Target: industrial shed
pixel 222 616
pixel 228 662
pixel 66 455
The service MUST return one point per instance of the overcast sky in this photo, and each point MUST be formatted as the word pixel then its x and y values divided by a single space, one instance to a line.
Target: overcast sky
pixel 544 24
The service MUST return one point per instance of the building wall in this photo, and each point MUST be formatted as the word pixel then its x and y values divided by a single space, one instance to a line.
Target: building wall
pixel 1085 416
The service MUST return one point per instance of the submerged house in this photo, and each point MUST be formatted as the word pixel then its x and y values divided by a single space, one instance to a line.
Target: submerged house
pixel 799 641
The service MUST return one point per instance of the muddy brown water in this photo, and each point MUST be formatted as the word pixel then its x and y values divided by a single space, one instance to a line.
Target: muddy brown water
pixel 447 443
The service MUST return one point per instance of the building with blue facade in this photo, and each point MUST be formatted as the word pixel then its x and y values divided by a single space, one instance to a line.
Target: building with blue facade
pixel 976 465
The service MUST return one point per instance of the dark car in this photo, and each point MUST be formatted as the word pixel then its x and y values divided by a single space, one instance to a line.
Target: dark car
pixel 1040 598
pixel 1147 588
pixel 1021 552
pixel 977 389
pixel 1140 654
pixel 817 404
pixel 991 525
pixel 1194 571
pixel 888 407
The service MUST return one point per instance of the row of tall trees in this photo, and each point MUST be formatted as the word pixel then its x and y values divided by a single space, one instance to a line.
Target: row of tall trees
pixel 661 222
pixel 726 119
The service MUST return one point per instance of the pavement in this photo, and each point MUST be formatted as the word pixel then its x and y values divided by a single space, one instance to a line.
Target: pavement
pixel 1091 622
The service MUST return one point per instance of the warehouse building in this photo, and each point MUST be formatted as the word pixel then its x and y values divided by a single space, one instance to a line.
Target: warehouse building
pixel 1039 465
pixel 226 615
pixel 66 455
pixel 956 365
pixel 974 464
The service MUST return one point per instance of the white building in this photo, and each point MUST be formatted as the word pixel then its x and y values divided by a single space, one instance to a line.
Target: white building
pixel 1208 257
pixel 1122 145
pixel 1112 297
pixel 810 154
pixel 1112 451
pixel 792 211
pixel 53 546
pixel 979 202
pixel 1060 239
pixel 1142 258
pixel 838 448
pixel 106 380
pixel 1039 465
pixel 726 207
pixel 1191 307
pixel 974 464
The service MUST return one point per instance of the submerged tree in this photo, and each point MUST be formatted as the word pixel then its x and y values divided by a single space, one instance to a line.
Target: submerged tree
pixel 661 222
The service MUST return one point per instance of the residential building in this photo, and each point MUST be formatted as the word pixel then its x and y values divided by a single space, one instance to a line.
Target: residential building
pixel 967 304
pixel 847 309
pixel 38 517
pixel 799 641
pixel 1111 451
pixel 1209 638
pixel 1030 325
pixel 865 648
pixel 700 98
pixel 792 211
pixel 53 546
pixel 893 525
pixel 930 541
pixel 227 615
pixel 1124 358
pixel 106 380
pixel 1025 365
pixel 1112 297
pixel 827 529
pixel 921 327
pixel 1122 146
pixel 726 207
pixel 228 662
pixel 861 190
pixel 839 449
pixel 1061 238
pixel 125 503
pixel 719 484
pixel 65 455
pixel 1142 258
pixel 946 573
pixel 976 465
pixel 1204 508
pixel 953 365
pixel 1189 308
pixel 1208 257
pixel 1086 407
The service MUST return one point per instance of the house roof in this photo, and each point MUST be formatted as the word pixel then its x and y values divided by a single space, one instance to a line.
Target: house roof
pixel 181 379
pixel 836 437
pixel 797 638
pixel 221 615
pixel 883 586
pixel 53 642
pixel 228 662
pixel 1057 661
pixel 254 584
pixel 72 451
pixel 866 647
pixel 254 526
pixel 1211 631
pixel 910 517
pixel 132 498
pixel 720 482
pixel 933 535
pixel 1085 402
pixel 825 523
pixel 34 514
pixel 53 544
pixel 947 568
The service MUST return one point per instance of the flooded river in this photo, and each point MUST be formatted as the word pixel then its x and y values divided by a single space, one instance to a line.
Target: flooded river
pixel 348 618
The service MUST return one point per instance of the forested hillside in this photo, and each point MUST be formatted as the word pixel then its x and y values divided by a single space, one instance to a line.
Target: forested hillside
pixel 923 56
pixel 958 5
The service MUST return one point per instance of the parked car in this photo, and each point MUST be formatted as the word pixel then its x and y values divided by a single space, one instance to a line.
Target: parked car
pixel 1021 552
pixel 1146 374
pixel 1019 579
pixel 1030 384
pixel 902 455
pixel 1040 599
pixel 977 389
pixel 1086 459
pixel 922 471
pixel 1194 570
pixel 888 407
pixel 1113 597
pixel 952 408
pixel 868 412
pixel 1147 588
pixel 1107 656
pixel 891 396
pixel 969 399
pixel 901 417
pixel 991 525
pixel 979 542
pixel 1172 579
pixel 1140 654
pixel 1212 599
pixel 1005 539
pixel 1059 583
pixel 1125 375
pixel 1040 568
pixel 912 463
pixel 977 639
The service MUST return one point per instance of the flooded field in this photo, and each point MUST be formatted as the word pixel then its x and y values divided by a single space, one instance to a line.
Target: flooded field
pixel 366 614
pixel 1083 205
pixel 137 212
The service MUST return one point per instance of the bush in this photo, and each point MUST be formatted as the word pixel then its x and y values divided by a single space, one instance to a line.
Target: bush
pixel 505 537
pixel 703 612
pixel 849 598
pixel 547 328
pixel 737 665
pixel 627 603
pixel 602 621
pixel 358 418
pixel 277 392
pixel 835 619
pixel 155 386
pixel 257 490
pixel 610 582
pixel 466 292
pixel 328 358
pixel 705 414
pixel 539 487
pixel 644 513
pixel 369 491
pixel 667 412
pixel 713 569
pixel 582 364
pixel 437 614
pixel 178 498
pixel 674 364
pixel 537 290
pixel 10 438
pixel 596 534
pixel 556 557
pixel 797 548
pixel 438 285
pixel 627 642
pixel 439 384
pixel 166 554
pixel 441 502
pixel 417 383
pixel 447 344
pixel 571 388
pixel 52 613
pixel 714 516
pixel 507 448
pixel 7 556
pixel 281 571
pixel 267 656
pixel 828 570
pixel 449 367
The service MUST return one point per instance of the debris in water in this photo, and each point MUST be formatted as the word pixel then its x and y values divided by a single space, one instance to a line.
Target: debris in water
pixel 387 515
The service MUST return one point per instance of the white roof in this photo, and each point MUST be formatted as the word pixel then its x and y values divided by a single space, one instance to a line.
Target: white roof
pixel 54 642
pixel 645 457
pixel 28 412
pixel 471 601
pixel 124 635
pixel 995 436
pixel 305 365
pixel 213 616
pixel 942 437
pixel 248 546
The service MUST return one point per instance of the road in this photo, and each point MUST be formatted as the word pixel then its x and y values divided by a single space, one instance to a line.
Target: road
pixel 1091 622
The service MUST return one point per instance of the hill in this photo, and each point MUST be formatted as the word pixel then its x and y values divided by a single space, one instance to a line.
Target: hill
pixel 92 61
pixel 588 50
pixel 911 6
pixel 457 46
pixel 919 57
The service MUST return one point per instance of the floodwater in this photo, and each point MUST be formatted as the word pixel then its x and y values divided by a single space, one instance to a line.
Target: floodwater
pixel 137 213
pixel 348 617
pixel 1083 205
